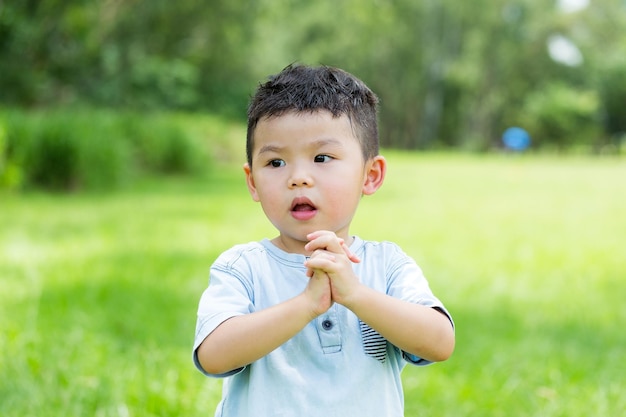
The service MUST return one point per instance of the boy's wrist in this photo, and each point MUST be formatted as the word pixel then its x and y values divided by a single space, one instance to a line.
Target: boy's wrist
pixel 356 298
pixel 310 310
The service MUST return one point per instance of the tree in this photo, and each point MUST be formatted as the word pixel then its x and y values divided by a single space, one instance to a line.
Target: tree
pixel 449 74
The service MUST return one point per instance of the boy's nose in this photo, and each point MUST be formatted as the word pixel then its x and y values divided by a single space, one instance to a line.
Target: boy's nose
pixel 300 179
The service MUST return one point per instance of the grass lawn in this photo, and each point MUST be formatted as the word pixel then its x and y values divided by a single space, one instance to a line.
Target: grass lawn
pixel 98 293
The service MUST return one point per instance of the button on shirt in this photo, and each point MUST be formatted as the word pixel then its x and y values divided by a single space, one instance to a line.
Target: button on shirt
pixel 336 365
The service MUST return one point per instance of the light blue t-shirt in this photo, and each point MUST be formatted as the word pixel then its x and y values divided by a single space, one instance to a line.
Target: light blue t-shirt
pixel 335 366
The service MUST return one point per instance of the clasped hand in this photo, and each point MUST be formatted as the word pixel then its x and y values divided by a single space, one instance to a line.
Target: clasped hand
pixel 330 271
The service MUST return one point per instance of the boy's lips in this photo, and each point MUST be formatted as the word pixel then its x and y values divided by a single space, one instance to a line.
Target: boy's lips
pixel 302 209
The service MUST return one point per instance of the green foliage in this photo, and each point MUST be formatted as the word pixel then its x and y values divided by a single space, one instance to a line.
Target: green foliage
pixel 87 149
pixel 159 145
pixel 613 93
pixel 560 116
pixel 449 75
pixel 98 295
pixel 10 175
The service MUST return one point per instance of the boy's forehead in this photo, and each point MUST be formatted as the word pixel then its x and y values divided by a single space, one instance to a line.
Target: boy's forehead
pixel 301 125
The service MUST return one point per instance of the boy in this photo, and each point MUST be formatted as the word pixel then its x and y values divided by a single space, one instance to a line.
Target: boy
pixel 315 322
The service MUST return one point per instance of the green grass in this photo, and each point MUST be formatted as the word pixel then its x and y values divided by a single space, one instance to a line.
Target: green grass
pixel 98 293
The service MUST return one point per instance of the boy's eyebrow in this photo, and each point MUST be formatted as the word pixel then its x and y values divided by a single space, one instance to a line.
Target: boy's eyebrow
pixel 322 142
pixel 316 144
pixel 270 148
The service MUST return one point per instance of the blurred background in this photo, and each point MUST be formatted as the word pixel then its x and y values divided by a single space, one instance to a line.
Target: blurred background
pixel 449 75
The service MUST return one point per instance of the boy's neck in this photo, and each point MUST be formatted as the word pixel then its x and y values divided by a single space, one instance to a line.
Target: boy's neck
pixel 292 246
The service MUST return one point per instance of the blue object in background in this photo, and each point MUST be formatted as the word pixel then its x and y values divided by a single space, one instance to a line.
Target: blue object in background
pixel 516 139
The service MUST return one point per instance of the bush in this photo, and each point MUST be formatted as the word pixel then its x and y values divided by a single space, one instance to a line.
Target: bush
pixel 87 149
pixel 10 175
pixel 160 145
pixel 560 116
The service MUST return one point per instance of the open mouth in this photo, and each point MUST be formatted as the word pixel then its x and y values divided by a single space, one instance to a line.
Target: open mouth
pixel 302 204
pixel 303 209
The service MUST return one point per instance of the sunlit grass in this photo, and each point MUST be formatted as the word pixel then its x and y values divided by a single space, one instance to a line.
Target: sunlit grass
pixel 526 252
pixel 98 293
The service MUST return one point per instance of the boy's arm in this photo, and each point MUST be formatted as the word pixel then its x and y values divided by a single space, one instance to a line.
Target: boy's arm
pixel 416 329
pixel 243 339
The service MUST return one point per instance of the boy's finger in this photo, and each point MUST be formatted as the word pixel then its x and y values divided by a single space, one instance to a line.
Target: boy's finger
pixel 329 241
pixel 349 253
pixel 326 241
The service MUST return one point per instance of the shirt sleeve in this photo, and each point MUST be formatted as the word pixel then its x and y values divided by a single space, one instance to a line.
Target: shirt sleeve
pixel 228 295
pixel 407 282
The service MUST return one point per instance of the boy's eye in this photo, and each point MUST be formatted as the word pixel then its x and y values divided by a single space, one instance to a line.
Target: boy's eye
pixel 277 163
pixel 322 158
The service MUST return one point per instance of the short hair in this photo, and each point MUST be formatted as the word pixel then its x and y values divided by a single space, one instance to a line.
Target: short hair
pixel 301 88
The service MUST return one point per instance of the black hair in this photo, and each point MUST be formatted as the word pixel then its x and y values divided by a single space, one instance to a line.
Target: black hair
pixel 302 88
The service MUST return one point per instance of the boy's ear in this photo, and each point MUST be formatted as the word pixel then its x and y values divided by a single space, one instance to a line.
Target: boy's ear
pixel 250 182
pixel 375 174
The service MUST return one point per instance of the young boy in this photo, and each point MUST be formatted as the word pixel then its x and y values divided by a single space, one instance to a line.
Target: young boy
pixel 315 322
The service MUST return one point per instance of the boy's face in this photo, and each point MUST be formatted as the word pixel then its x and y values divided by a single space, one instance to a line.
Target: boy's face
pixel 309 174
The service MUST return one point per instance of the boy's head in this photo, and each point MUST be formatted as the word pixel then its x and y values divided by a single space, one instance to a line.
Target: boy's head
pixel 300 88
